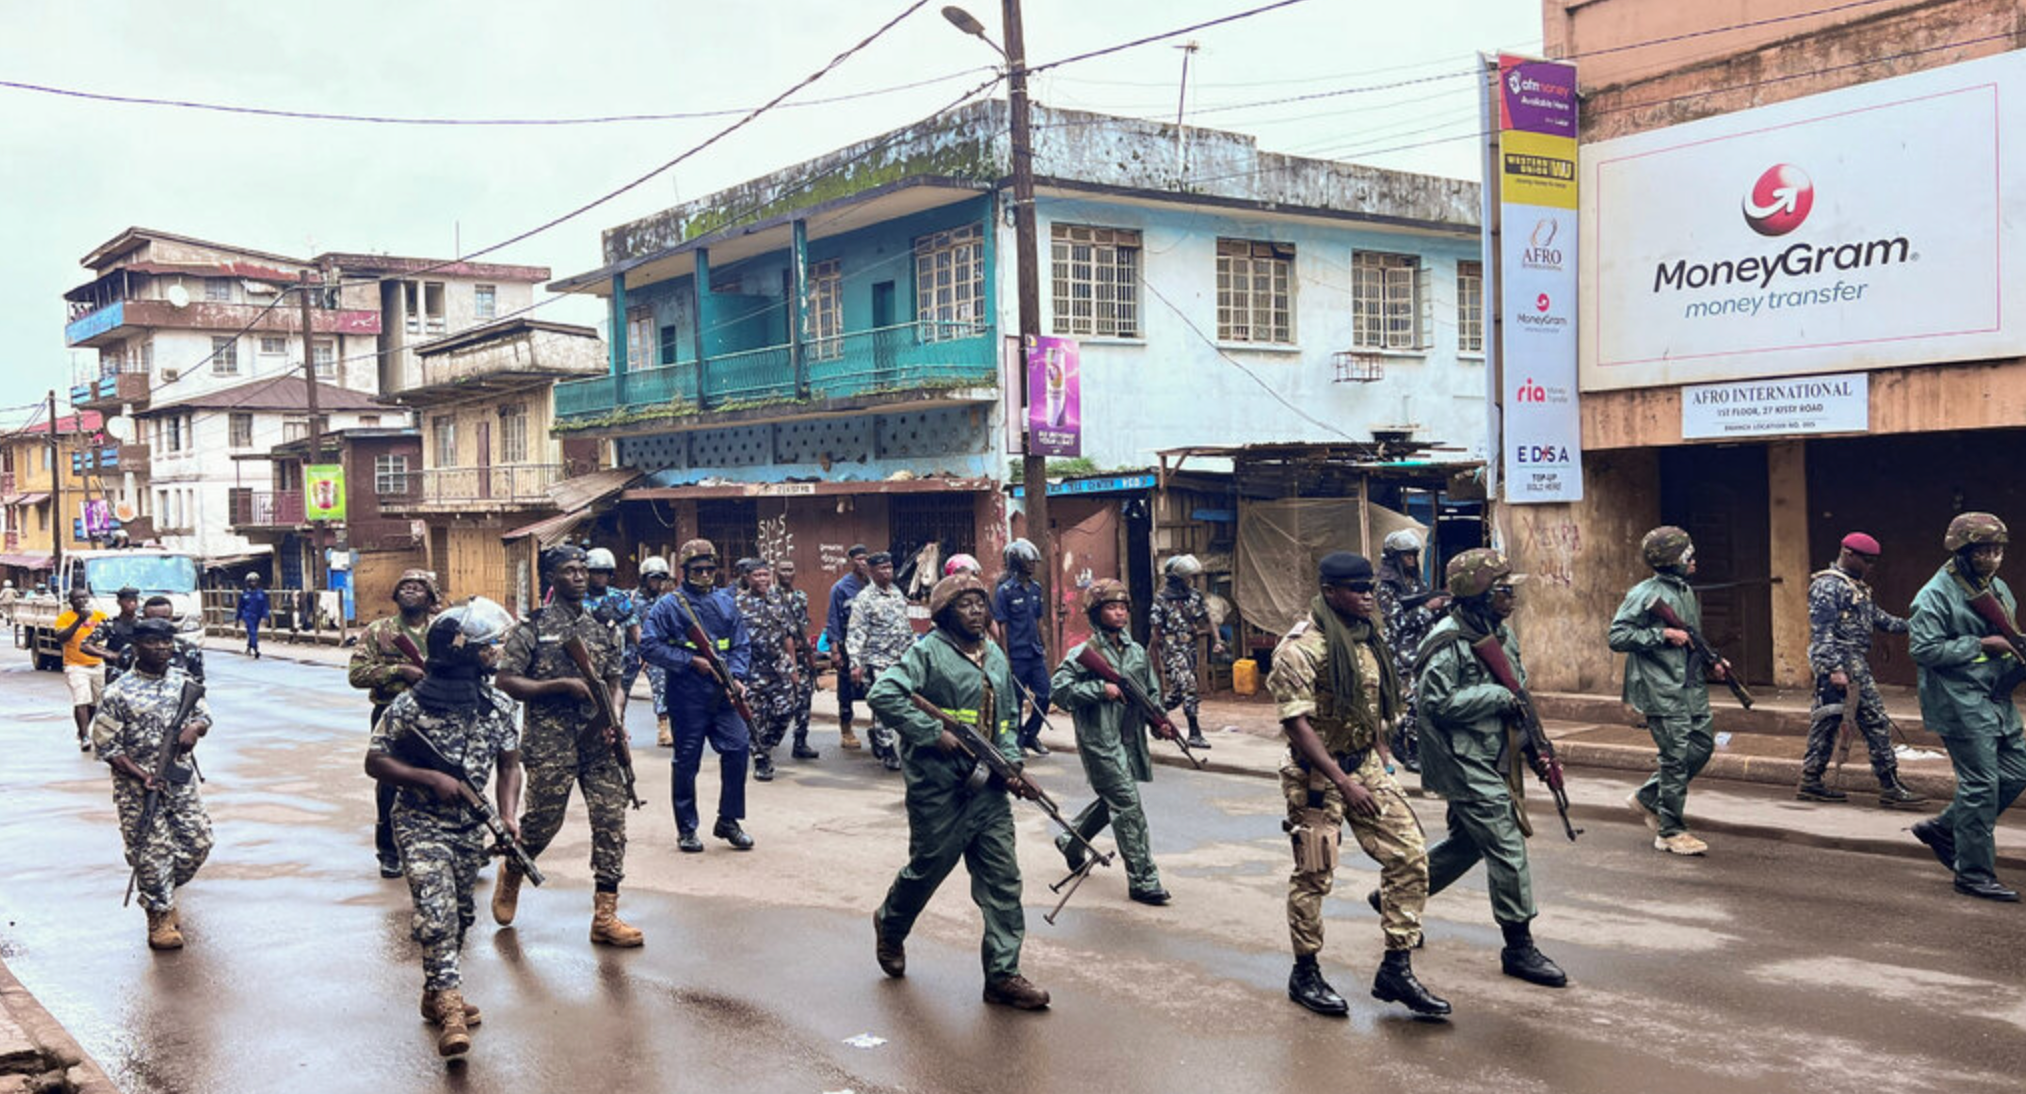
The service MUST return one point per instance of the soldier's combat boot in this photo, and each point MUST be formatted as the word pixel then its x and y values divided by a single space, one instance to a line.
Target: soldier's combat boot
pixel 1893 794
pixel 1984 887
pixel 687 843
pixel 763 767
pixel 1521 959
pixel 1072 852
pixel 663 737
pixel 1940 840
pixel 506 895
pixel 802 749
pixel 848 739
pixel 1305 985
pixel 729 831
pixel 1196 739
pixel 607 927
pixel 1017 992
pixel 431 1016
pixel 1395 983
pixel 891 955
pixel 162 932
pixel 453 1037
pixel 1812 789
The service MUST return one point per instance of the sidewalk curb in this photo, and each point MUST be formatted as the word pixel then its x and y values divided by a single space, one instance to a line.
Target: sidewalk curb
pixel 59 1050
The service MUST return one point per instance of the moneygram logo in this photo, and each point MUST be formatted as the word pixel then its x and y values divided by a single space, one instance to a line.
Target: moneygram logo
pixel 1542 317
pixel 1779 201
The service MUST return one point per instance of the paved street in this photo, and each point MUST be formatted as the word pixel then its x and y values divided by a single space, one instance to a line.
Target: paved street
pixel 1771 966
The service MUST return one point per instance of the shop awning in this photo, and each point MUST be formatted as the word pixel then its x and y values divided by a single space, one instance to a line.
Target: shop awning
pixel 28 562
pixel 29 499
pixel 550 529
pixel 932 485
pixel 222 562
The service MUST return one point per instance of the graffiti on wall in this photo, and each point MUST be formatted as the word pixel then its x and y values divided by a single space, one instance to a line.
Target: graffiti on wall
pixel 1550 546
pixel 832 557
pixel 775 542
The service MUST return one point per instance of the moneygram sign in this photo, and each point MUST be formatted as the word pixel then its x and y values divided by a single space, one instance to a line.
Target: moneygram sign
pixel 1856 229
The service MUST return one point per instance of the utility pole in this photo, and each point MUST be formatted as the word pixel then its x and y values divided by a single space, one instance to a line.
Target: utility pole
pixel 1188 49
pixel 309 372
pixel 55 498
pixel 1027 261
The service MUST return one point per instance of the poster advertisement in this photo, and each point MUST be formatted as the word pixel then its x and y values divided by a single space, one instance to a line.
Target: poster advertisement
pixel 1054 397
pixel 97 517
pixel 324 491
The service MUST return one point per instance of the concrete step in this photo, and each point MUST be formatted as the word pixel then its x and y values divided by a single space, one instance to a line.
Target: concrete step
pixel 1766 758
pixel 1773 714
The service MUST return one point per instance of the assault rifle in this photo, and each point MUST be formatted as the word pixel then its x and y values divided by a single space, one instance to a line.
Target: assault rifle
pixel 165 771
pixel 1992 610
pixel 1533 738
pixel 1700 646
pixel 504 842
pixel 989 763
pixel 1157 719
pixel 708 654
pixel 608 718
pixel 407 647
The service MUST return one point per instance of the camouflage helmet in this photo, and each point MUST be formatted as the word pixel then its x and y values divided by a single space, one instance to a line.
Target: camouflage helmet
pixel 950 588
pixel 693 550
pixel 424 578
pixel 1665 546
pixel 1475 571
pixel 1973 530
pixel 1104 591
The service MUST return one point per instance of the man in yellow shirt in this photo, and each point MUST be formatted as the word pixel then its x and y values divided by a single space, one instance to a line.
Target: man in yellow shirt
pixel 85 674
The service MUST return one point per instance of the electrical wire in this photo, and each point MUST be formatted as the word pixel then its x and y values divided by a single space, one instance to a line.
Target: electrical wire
pixel 1164 35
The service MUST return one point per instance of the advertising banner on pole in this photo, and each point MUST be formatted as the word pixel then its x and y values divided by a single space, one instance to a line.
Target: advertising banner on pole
pixel 324 491
pixel 1541 437
pixel 1054 397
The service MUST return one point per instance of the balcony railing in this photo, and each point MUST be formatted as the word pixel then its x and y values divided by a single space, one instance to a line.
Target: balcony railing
pixel 898 358
pixel 131 384
pixel 267 508
pixel 503 484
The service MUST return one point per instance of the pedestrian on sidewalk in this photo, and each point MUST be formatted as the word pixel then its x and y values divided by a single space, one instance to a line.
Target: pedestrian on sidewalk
pixel 1410 609
pixel 1111 739
pixel 796 603
pixel 1965 667
pixel 385 673
pixel 132 727
pixel 452 716
pixel 879 634
pixel 771 683
pixel 836 629
pixel 962 673
pixel 1664 682
pixel 1177 622
pixel 697 704
pixel 83 672
pixel 1334 688
pixel 654 583
pixel 1017 612
pixel 557 754
pixel 1842 618
pixel 252 612
pixel 1471 756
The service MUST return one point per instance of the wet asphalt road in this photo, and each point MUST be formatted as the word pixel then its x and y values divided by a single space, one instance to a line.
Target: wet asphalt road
pixel 1766 967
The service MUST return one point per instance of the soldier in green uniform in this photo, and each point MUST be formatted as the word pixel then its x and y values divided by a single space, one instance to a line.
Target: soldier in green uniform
pixel 1334 688
pixel 451 716
pixel 385 673
pixel 1110 739
pixel 969 679
pixel 1470 756
pixel 1664 682
pixel 554 748
pixel 1961 662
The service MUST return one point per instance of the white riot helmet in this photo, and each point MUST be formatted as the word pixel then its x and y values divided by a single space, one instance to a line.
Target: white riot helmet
pixel 467 628
pixel 1403 542
pixel 654 564
pixel 599 558
pixel 1182 566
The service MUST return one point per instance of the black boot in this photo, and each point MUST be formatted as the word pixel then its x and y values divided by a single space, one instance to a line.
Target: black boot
pixel 729 831
pixel 1522 960
pixel 1305 985
pixel 763 767
pixel 1812 789
pixel 802 749
pixel 1940 840
pixel 1396 984
pixel 1196 734
pixel 1893 794
pixel 1984 886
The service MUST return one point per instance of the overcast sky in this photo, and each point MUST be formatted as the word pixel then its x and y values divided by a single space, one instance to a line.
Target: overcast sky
pixel 74 173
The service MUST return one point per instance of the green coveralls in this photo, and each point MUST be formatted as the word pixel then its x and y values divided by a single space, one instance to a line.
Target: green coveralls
pixel 1467 756
pixel 944 822
pixel 1111 740
pixel 1662 684
pixel 1982 733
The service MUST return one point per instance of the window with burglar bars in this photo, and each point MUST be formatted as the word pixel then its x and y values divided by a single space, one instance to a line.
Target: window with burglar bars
pixel 826 310
pixel 1096 281
pixel 913 520
pixel 1385 301
pixel 390 475
pixel 950 283
pixel 1255 291
pixel 513 433
pixel 1470 307
pixel 224 356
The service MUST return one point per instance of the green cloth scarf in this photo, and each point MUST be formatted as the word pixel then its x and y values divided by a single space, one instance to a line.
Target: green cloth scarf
pixel 1341 634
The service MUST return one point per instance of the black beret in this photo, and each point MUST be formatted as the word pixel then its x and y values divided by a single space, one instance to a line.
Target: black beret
pixel 556 556
pixel 1340 567
pixel 878 558
pixel 127 592
pixel 152 627
pixel 858 550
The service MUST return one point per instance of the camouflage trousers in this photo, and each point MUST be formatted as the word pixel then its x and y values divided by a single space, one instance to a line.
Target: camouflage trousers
pixel 1393 839
pixel 442 863
pixel 176 843
pixel 805 695
pixel 1178 678
pixel 657 682
pixel 555 759
pixel 1870 718
pixel 773 703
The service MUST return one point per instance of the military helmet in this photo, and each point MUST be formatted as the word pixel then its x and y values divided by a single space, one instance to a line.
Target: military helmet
pixel 1182 566
pixel 693 550
pixel 424 578
pixel 1402 542
pixel 599 558
pixel 1974 530
pixel 950 588
pixel 1104 591
pixel 1665 546
pixel 654 565
pixel 1021 553
pixel 1475 571
pixel 462 630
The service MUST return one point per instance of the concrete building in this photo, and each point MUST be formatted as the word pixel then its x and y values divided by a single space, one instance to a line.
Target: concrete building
pixel 381 468
pixel 1937 428
pixel 29 470
pixel 820 356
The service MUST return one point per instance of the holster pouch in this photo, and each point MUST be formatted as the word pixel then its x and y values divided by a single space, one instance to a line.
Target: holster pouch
pixel 1315 839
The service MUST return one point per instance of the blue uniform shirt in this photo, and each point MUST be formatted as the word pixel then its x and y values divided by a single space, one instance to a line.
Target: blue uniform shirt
pixel 839 620
pixel 664 638
pixel 1017 607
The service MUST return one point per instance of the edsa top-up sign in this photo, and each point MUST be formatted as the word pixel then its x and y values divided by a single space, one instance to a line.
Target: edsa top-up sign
pixel 1858 229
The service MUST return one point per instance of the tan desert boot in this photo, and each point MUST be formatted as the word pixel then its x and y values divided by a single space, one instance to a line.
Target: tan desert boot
pixel 607 927
pixel 162 932
pixel 506 895
pixel 454 1036
pixel 663 738
pixel 471 1015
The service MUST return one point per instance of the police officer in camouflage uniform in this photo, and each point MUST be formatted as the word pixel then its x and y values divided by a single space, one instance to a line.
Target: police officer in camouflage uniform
pixel 129 730
pixel 450 727
pixel 384 672
pixel 1179 619
pixel 968 678
pixel 614 608
pixel 1111 739
pixel 1962 660
pixel 1471 754
pixel 771 683
pixel 1842 617
pixel 1664 682
pixel 556 751
pixel 1334 689
pixel 696 701
pixel 878 634
pixel 1408 610
pixel 189 655
pixel 796 603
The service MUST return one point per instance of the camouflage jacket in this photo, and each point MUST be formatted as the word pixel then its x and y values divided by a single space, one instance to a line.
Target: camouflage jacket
pixel 471 740
pixel 1300 685
pixel 134 715
pixel 1841 619
pixel 376 661
pixel 796 603
pixel 534 649
pixel 1405 626
pixel 1179 619
pixel 768 626
pixel 879 632
pixel 614 608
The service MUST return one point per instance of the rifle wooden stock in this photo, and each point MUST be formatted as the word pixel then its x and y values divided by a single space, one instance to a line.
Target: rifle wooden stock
pixel 1992 611
pixel 407 647
pixel 608 718
pixel 708 654
pixel 1662 611
pixel 504 842
pixel 1533 736
pixel 1164 727
pixel 165 759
